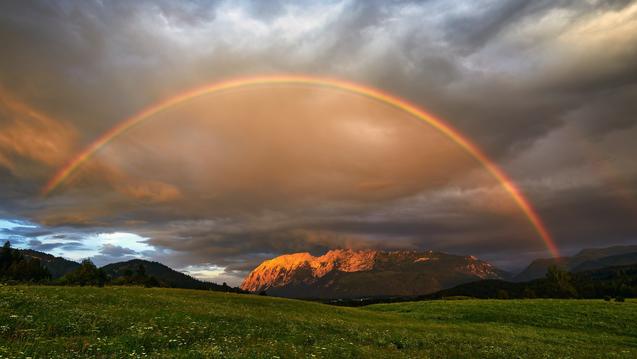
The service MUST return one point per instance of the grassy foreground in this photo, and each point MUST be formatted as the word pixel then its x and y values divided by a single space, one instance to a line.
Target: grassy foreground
pixel 53 322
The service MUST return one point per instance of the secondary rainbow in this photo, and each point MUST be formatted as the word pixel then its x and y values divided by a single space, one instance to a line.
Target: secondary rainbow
pixel 375 94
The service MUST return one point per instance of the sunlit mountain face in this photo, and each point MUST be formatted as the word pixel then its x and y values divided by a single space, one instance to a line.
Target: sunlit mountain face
pixel 503 131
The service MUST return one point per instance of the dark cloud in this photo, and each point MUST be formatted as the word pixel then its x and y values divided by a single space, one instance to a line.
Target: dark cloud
pixel 46 247
pixel 27 232
pixel 116 251
pixel 545 88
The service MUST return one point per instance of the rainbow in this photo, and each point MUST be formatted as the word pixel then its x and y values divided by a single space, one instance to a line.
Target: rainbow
pixel 374 94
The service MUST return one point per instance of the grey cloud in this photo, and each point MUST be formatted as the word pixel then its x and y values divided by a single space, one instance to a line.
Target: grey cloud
pixel 101 260
pixel 48 246
pixel 115 251
pixel 110 253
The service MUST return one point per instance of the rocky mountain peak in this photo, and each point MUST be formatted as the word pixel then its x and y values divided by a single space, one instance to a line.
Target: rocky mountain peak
pixel 347 272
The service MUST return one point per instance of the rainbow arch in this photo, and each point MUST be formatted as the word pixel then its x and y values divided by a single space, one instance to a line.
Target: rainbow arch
pixel 522 202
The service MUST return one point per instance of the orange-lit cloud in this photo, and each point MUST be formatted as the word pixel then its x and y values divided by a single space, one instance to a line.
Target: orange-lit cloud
pixel 270 146
pixel 29 135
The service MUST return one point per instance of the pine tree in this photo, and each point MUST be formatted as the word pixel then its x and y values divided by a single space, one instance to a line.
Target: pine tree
pixel 5 257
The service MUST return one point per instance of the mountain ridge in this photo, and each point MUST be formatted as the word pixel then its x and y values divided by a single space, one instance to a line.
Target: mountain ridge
pixel 57 266
pixel 585 259
pixel 350 273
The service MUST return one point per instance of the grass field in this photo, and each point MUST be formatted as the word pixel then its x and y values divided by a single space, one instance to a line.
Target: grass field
pixel 53 322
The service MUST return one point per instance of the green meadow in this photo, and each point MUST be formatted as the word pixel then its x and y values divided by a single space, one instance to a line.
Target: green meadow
pixel 131 322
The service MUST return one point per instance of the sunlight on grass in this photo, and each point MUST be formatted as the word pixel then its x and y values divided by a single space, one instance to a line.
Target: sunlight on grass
pixel 56 322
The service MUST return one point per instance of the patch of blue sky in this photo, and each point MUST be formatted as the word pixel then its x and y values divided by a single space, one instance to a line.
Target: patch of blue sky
pixel 8 224
pixel 67 243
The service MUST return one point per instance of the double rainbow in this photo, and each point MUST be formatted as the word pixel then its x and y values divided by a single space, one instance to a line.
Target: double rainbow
pixel 125 125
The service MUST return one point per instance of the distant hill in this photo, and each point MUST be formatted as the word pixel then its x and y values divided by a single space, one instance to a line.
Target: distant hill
pixel 57 266
pixel 586 259
pixel 345 273
pixel 610 261
pixel 596 283
pixel 164 274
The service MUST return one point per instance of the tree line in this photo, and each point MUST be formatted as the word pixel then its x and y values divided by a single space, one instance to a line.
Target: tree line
pixel 16 267
pixel 617 282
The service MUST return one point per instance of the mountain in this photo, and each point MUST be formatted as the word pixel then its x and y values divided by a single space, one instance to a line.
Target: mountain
pixel 610 261
pixel 345 273
pixel 538 267
pixel 57 266
pixel 586 259
pixel 164 274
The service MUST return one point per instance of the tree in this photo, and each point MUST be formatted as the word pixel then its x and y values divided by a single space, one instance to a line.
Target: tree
pixel 86 274
pixel 560 283
pixel 5 256
pixel 139 277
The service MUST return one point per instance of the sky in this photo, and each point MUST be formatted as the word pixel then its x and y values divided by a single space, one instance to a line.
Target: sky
pixel 215 185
